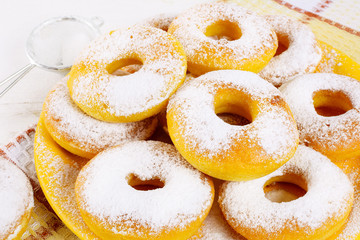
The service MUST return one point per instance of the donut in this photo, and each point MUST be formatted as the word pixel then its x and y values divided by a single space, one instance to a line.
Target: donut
pixel 231 152
pixel 351 230
pixel 57 170
pixel 326 108
pixel 143 190
pixel 319 214
pixel 215 227
pixel 298 52
pixel 161 21
pixel 82 134
pixel 133 97
pixel 223 35
pixel 16 201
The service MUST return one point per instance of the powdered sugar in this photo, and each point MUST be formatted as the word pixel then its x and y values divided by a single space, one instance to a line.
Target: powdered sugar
pixel 198 118
pixel 205 133
pixel 274 133
pixel 302 56
pixel 352 227
pixel 185 196
pixel 16 199
pixel 163 70
pixel 336 133
pixel 256 38
pixel 161 21
pixel 329 60
pixel 89 135
pixel 145 86
pixel 329 197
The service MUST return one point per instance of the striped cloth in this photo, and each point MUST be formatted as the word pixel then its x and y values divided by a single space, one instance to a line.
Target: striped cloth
pixel 341 13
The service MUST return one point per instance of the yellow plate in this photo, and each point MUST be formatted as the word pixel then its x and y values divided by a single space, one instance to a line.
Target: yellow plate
pixel 337 62
pixel 57 170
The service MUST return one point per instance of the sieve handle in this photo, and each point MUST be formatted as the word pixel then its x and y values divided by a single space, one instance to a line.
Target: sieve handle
pixel 16 77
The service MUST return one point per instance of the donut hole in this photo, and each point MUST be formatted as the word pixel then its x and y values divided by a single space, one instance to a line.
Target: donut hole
pixel 233 107
pixel 283 44
pixel 144 185
pixel 233 119
pixel 223 30
pixel 331 103
pixel 124 67
pixel 285 188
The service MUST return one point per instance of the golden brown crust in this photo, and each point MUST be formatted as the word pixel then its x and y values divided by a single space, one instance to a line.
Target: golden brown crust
pixel 227 151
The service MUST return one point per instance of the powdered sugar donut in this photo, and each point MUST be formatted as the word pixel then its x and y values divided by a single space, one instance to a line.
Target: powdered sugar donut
pixel 225 151
pixel 111 197
pixel 319 214
pixel 224 36
pixel 16 201
pixel 302 55
pixel 326 107
pixel 131 97
pixel 83 135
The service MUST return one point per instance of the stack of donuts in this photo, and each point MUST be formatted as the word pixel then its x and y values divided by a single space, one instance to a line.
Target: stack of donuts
pixel 263 144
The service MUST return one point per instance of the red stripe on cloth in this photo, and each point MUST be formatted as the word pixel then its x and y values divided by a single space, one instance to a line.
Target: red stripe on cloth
pixel 321 6
pixel 314 15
